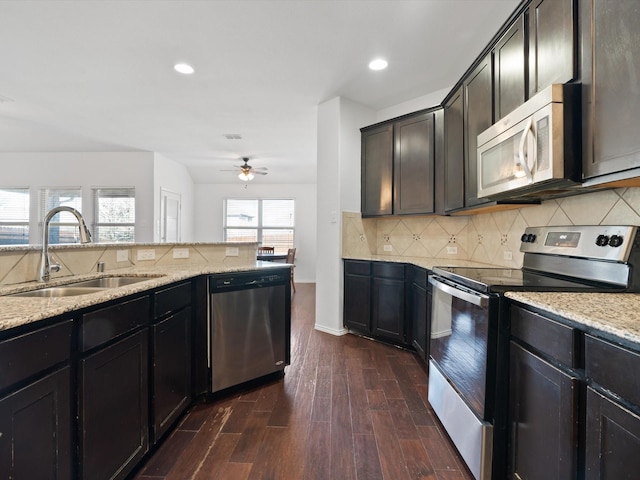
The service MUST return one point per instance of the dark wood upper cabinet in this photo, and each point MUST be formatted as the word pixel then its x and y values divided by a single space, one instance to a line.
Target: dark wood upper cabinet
pixel 413 165
pixel 509 67
pixel 610 45
pixel 454 152
pixel 552 43
pixel 478 116
pixel 377 171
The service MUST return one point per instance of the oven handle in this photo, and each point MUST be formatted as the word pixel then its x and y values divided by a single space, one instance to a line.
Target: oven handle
pixel 475 298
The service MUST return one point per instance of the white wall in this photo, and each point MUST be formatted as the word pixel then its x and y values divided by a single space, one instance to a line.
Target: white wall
pixel 173 176
pixel 338 174
pixel 85 170
pixel 425 101
pixel 208 216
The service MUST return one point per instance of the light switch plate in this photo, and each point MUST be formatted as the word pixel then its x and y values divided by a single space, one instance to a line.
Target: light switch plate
pixel 452 250
pixel 146 254
pixel 122 255
pixel 508 255
pixel 180 253
pixel 232 252
pixel 388 248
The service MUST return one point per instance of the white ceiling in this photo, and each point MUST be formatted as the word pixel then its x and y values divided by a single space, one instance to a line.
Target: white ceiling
pixel 98 75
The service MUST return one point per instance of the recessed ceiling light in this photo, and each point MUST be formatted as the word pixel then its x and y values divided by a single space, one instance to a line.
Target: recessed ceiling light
pixel 183 68
pixel 378 64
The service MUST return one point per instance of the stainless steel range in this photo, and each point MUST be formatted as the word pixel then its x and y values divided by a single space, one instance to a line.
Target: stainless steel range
pixel 469 333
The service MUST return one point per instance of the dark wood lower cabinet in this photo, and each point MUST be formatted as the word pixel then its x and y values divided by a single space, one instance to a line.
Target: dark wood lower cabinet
pixel 543 419
pixel 419 306
pixel 171 370
pixel 613 440
pixel 35 430
pixel 387 312
pixel 357 302
pixel 113 414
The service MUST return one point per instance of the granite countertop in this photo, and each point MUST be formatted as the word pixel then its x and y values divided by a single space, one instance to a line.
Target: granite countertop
pixel 424 262
pixel 17 311
pixel 614 314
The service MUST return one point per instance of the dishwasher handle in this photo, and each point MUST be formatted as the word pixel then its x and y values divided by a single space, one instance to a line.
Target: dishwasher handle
pixel 242 281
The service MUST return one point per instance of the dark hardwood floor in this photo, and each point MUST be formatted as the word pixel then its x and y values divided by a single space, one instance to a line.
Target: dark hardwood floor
pixel 347 408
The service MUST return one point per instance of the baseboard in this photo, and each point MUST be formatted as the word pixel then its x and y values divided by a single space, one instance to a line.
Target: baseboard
pixel 332 331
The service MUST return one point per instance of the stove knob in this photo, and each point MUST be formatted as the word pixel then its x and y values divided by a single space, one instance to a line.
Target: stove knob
pixel 531 237
pixel 524 237
pixel 615 240
pixel 602 240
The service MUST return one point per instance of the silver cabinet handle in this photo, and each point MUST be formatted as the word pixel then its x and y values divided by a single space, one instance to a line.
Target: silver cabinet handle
pixel 524 162
pixel 475 298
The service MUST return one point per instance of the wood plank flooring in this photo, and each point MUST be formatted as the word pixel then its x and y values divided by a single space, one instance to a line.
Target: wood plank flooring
pixel 347 408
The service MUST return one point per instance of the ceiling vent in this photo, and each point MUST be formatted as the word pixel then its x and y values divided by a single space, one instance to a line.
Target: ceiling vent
pixel 232 136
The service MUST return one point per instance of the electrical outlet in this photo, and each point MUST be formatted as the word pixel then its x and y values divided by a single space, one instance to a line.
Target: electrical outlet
pixel 122 255
pixel 507 255
pixel 232 252
pixel 180 253
pixel 148 254
pixel 452 250
pixel 388 248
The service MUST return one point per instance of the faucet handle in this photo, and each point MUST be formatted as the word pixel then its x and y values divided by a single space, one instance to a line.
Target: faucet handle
pixel 54 267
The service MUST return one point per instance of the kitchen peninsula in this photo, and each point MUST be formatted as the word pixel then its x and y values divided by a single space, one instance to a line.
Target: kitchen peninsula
pixel 90 383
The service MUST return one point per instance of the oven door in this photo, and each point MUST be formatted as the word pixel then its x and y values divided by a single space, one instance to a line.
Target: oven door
pixel 460 339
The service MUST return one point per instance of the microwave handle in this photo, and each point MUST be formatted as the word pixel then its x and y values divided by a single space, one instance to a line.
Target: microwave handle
pixel 523 162
pixel 474 298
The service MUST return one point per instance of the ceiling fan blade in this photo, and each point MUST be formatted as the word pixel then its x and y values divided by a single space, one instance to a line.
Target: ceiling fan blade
pixel 259 168
pixel 259 173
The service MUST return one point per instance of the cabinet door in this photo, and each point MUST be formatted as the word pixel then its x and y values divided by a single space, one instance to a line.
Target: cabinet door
pixel 377 171
pixel 414 168
pixel 611 86
pixel 171 370
pixel 543 421
pixel 114 418
pixel 509 69
pixel 357 302
pixel 454 153
pixel 387 319
pixel 478 117
pixel 613 440
pixel 35 430
pixel 552 40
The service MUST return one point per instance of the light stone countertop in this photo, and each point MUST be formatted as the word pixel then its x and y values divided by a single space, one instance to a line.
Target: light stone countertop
pixel 615 314
pixel 17 311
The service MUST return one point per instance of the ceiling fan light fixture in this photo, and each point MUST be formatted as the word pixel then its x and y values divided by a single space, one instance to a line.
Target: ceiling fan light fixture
pixel 245 176
pixel 183 68
pixel 378 64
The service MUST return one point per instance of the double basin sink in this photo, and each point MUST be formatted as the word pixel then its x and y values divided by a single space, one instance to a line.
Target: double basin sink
pixel 84 287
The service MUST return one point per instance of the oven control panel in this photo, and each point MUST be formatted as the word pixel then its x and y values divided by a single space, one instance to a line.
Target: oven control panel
pixel 604 242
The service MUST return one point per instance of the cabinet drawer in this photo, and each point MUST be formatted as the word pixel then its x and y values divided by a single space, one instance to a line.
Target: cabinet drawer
pixel 33 352
pixel 357 268
pixel 615 368
pixel 545 335
pixel 102 325
pixel 388 270
pixel 172 299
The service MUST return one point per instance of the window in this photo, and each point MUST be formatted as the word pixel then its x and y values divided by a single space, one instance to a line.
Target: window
pixel 64 226
pixel 14 216
pixel 114 215
pixel 266 221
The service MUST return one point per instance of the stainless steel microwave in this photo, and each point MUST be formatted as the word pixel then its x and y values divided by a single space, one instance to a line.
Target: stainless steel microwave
pixel 534 151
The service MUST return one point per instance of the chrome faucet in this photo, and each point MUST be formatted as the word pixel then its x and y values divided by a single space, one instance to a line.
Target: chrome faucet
pixel 46 267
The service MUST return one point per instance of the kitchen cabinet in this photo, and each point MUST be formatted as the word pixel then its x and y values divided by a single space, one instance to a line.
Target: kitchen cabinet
pixel 478 116
pixel 114 389
pixel 509 67
pixel 398 165
pixel 171 353
pixel 610 46
pixel 414 164
pixel 374 300
pixel 419 306
pixel 388 299
pixel 613 411
pixel 35 404
pixel 543 399
pixel 377 170
pixel 357 295
pixel 454 152
pixel 552 43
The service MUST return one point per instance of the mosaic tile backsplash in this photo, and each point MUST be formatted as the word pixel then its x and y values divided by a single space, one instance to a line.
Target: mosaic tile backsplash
pixel 490 238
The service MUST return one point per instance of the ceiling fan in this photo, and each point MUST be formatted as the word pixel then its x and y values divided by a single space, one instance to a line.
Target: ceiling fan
pixel 247 172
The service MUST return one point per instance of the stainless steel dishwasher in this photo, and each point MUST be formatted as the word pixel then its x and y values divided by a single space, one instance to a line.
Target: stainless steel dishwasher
pixel 250 321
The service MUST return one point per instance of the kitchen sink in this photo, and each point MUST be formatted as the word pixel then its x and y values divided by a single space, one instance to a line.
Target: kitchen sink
pixel 84 287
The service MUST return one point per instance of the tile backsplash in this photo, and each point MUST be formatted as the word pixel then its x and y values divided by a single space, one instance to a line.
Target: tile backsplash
pixel 491 238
